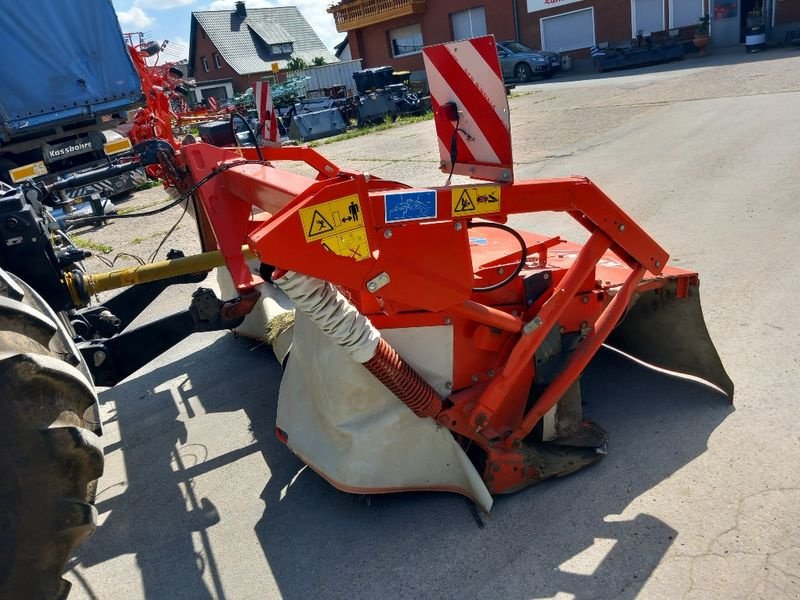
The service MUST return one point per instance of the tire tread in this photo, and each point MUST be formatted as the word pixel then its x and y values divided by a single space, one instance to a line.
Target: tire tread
pixel 52 457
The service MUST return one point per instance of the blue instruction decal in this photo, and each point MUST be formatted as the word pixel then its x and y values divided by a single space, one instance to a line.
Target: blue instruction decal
pixel 410 206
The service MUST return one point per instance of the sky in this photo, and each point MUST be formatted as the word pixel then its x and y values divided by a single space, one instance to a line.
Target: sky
pixel 169 19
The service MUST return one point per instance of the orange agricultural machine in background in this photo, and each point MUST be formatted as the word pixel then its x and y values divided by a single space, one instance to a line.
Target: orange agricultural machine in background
pixel 426 343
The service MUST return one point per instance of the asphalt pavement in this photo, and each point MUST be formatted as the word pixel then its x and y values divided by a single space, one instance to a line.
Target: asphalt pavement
pixel 695 500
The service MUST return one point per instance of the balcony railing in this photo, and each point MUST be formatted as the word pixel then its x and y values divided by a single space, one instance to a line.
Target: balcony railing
pixel 354 14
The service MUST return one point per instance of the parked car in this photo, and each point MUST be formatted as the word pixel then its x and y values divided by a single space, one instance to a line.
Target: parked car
pixel 523 64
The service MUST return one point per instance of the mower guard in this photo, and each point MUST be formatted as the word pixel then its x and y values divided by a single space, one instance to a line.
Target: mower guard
pixel 668 331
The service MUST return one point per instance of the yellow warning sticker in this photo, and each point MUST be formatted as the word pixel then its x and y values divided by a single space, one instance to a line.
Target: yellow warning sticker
pixel 332 218
pixel 476 200
pixel 353 244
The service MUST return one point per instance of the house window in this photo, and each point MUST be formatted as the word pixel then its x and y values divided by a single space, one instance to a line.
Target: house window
pixel 281 48
pixel 685 12
pixel 204 60
pixel 469 23
pixel 217 61
pixel 406 40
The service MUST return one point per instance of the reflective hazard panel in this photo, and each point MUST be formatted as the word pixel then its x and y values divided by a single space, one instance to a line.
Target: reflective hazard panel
pixel 339 225
pixel 469 201
pixel 28 172
pixel 117 146
pixel 470 108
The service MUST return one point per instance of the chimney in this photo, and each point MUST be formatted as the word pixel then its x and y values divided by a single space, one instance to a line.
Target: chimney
pixel 240 9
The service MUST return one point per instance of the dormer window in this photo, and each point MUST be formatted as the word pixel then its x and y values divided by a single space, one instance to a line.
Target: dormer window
pixel 282 48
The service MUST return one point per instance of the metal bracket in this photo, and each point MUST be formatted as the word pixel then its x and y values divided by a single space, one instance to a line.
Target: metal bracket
pixel 377 282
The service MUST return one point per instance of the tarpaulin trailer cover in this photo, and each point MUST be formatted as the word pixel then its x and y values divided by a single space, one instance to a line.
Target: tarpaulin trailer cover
pixel 62 62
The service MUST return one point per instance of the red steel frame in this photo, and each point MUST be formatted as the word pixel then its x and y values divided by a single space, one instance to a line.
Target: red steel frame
pixel 429 263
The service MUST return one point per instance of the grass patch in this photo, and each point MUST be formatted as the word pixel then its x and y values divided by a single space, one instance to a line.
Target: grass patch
pixel 149 184
pixel 132 209
pixel 387 124
pixel 157 234
pixel 91 245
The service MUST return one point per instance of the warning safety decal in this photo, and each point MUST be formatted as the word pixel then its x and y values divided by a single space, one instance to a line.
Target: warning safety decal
pixel 476 200
pixel 331 218
pixel 339 225
pixel 352 244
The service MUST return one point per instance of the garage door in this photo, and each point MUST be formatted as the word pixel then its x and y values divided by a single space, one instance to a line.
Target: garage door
pixel 569 31
pixel 220 92
pixel 685 12
pixel 648 16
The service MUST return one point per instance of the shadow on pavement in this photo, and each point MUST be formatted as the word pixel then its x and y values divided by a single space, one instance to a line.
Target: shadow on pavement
pixel 429 545
pixel 156 516
pixel 560 536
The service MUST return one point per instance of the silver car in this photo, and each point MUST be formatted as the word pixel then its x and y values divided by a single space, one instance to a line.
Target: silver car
pixel 522 64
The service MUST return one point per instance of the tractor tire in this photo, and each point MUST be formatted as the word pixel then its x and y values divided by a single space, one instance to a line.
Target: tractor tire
pixel 50 452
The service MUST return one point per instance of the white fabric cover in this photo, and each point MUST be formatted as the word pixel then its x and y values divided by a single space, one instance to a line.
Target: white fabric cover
pixel 345 424
pixel 348 427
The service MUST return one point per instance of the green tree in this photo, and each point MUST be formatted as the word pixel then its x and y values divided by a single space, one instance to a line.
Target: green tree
pixel 296 64
pixel 318 61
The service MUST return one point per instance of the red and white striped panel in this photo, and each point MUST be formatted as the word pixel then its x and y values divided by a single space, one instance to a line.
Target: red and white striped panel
pixel 212 103
pixel 267 121
pixel 468 74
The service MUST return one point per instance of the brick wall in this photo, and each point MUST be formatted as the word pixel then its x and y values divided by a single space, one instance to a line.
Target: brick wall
pixel 612 24
pixel 612 21
pixel 372 43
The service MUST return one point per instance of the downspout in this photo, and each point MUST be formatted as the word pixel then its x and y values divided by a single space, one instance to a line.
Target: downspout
pixel 515 10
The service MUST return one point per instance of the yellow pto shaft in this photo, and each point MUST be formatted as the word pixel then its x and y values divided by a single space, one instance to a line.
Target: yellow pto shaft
pixel 81 288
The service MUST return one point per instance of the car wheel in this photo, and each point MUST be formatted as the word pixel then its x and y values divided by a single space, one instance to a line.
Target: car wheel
pixel 523 73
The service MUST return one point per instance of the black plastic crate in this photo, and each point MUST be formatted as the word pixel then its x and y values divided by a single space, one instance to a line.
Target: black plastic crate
pixel 216 133
pixel 374 78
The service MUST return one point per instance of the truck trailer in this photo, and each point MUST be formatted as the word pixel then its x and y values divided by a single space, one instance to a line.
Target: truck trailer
pixel 67 84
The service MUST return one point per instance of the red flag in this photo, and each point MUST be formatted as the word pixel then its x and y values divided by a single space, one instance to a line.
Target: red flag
pixel 212 103
pixel 267 120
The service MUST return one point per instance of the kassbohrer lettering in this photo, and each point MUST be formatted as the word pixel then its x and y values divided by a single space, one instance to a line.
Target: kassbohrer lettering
pixel 67 150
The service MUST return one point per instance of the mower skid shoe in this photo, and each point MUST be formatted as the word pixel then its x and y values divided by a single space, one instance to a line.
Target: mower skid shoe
pixel 556 460
pixel 669 332
pixel 540 461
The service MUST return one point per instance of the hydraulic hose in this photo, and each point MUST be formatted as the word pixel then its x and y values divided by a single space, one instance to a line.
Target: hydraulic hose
pixel 321 302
